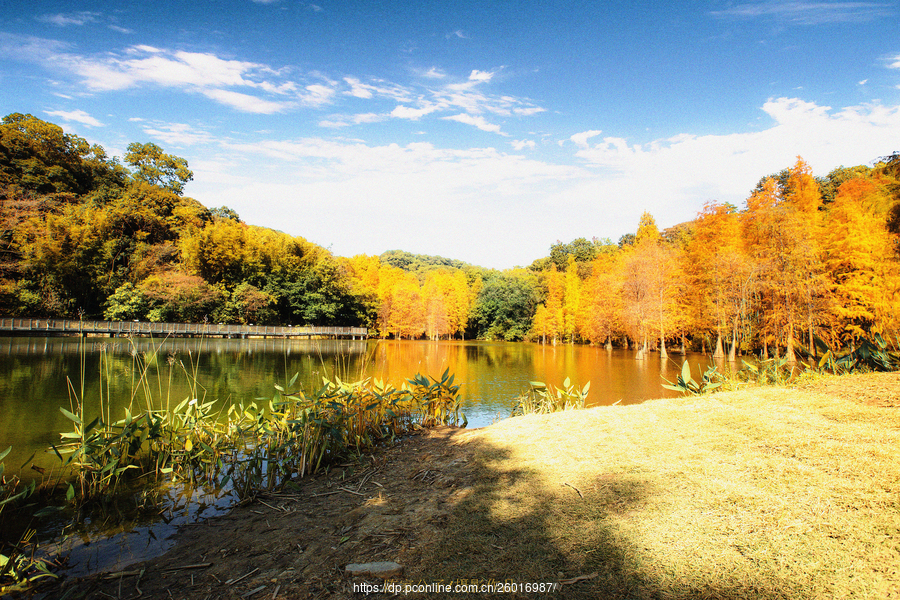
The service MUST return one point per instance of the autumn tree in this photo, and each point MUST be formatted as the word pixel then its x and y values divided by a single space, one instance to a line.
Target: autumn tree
pixel 719 274
pixel 601 306
pixel 860 264
pixel 153 166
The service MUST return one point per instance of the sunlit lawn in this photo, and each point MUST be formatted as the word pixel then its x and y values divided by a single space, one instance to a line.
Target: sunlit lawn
pixel 763 493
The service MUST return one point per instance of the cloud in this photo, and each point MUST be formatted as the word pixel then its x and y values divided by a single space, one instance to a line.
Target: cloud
pixel 405 112
pixel 258 88
pixel 77 116
pixel 729 165
pixel 809 13
pixel 528 111
pixel 194 72
pixel 457 34
pixel 317 95
pixel 436 189
pixel 64 20
pixel 895 64
pixel 478 122
pixel 246 102
pixel 178 134
pixel 476 75
pixel 377 88
pixel 347 120
pixel 581 139
pixel 434 73
pixel 610 184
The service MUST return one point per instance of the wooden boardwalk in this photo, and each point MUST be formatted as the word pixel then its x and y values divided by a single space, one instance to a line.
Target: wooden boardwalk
pixel 139 328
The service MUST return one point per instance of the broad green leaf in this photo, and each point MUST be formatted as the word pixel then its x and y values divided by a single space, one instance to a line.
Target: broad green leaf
pixel 70 416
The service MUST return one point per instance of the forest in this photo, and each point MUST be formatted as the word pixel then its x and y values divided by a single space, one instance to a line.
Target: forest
pixel 808 263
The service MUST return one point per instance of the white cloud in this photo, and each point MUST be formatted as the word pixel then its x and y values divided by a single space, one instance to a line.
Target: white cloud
pixel 77 18
pixel 581 139
pixel 246 102
pixel 405 112
pixel 478 122
pixel 434 73
pixel 316 95
pixel 77 116
pixel 438 189
pixel 809 13
pixel 527 112
pixel 691 169
pixel 895 64
pixel 480 76
pixel 347 120
pixel 178 134
pixel 435 189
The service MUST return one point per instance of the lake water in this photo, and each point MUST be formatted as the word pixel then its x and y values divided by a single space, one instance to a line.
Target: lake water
pixel 39 375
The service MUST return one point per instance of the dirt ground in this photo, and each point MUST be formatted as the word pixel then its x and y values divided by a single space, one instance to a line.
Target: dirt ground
pixel 297 544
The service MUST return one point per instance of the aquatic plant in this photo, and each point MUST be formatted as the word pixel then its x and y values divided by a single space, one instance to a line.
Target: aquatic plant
pixel 543 398
pixel 685 383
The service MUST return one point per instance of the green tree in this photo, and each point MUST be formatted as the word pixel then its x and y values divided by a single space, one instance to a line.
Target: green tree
pixel 505 306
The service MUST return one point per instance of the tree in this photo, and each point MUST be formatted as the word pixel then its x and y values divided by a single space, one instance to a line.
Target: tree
pixel 602 300
pixel 158 168
pixel 860 266
pixel 718 273
pixel 178 297
pixel 39 157
pixel 505 306
pixel 650 285
pixel 572 307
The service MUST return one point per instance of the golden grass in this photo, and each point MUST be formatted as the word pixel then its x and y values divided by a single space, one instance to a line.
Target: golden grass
pixel 761 493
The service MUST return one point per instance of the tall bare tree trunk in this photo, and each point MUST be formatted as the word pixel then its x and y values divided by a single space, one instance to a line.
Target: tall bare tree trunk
pixel 789 352
pixel 719 353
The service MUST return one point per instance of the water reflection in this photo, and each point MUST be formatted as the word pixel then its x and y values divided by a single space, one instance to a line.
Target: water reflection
pixel 38 375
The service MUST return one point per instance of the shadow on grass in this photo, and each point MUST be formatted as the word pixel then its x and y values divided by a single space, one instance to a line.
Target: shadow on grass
pixel 516 527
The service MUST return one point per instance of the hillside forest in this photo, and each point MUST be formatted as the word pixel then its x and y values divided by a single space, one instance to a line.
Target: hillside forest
pixel 808 262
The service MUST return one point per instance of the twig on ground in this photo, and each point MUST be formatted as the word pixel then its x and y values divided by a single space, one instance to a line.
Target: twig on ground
pixel 579 578
pixel 575 488
pixel 242 577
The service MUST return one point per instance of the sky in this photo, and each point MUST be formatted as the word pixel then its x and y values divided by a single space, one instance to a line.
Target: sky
pixel 479 131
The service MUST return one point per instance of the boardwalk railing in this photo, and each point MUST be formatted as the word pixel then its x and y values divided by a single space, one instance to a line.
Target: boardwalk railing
pixel 117 328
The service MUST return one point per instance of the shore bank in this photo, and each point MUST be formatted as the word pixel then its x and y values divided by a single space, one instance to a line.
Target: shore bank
pixel 761 493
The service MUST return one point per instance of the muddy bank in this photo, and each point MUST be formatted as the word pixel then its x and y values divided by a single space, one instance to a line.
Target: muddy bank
pixel 297 543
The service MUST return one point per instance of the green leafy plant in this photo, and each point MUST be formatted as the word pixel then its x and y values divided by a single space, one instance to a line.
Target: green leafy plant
pixel 867 356
pixel 543 398
pixel 710 380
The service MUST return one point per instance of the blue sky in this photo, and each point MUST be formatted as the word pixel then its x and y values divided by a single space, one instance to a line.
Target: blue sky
pixel 482 131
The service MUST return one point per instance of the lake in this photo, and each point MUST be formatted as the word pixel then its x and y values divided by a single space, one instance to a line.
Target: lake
pixel 39 375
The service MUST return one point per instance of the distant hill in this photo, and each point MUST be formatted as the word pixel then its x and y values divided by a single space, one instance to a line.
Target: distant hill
pixel 416 263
